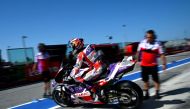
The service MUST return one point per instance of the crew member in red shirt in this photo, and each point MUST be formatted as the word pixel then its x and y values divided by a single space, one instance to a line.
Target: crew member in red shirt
pixel 149 50
pixel 42 65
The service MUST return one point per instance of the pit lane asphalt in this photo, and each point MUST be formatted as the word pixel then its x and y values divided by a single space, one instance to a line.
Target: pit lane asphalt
pixel 16 96
pixel 175 92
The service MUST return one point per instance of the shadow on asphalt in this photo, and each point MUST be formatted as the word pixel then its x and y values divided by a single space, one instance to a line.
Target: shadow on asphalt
pixel 153 104
pixel 175 92
pixel 103 106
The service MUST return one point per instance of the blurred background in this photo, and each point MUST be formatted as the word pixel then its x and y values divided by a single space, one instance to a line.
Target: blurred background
pixel 115 26
pixel 25 23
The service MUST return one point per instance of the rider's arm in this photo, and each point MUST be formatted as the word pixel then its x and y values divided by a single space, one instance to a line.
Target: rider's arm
pixel 78 64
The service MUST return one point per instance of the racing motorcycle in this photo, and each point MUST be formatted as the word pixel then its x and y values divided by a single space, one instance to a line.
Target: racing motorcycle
pixel 109 87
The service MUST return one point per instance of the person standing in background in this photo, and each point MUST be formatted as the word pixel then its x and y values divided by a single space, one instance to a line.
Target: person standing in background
pixel 42 64
pixel 148 51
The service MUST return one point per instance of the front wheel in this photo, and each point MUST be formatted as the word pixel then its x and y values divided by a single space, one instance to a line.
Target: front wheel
pixel 61 98
pixel 130 95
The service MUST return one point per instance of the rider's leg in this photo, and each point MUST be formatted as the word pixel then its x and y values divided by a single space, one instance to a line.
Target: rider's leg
pixel 93 74
pixel 78 76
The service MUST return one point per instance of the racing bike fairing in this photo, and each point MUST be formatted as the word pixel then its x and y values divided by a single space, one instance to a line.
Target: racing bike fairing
pixel 109 89
pixel 120 68
pixel 82 94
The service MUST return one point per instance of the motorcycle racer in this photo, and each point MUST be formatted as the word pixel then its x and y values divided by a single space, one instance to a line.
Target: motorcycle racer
pixel 88 56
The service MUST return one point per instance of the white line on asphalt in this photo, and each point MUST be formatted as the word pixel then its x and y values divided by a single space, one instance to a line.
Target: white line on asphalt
pixel 136 79
pixel 180 60
pixel 55 107
pixel 174 67
pixel 20 105
pixel 24 104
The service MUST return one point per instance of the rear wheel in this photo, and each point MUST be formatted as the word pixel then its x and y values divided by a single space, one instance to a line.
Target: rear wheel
pixel 130 95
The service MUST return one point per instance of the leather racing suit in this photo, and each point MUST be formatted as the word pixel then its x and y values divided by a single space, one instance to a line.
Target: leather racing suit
pixel 91 58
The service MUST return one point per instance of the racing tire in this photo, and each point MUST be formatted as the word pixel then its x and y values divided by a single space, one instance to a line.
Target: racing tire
pixel 62 99
pixel 130 95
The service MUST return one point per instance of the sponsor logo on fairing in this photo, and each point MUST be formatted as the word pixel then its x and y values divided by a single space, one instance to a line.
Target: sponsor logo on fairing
pixel 83 94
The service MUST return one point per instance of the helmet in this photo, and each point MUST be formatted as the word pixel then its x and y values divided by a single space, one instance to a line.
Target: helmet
pixel 76 44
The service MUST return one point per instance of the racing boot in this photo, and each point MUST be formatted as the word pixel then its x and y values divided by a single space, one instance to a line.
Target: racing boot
pixel 96 99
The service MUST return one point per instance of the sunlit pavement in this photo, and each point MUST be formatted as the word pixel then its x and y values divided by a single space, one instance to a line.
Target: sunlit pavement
pixel 175 91
pixel 175 94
